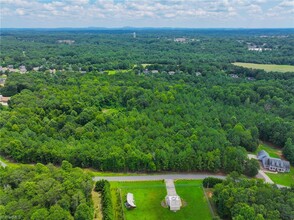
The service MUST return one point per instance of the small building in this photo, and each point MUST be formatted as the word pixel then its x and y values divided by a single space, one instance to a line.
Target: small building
pixel 130 203
pixel 172 199
pixel 235 76
pixel 146 71
pixel 171 73
pixel 273 164
pixel 180 40
pixel 154 71
pixel 22 69
pixel 4 100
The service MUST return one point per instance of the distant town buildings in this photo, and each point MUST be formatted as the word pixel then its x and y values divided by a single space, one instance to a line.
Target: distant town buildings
pixel 134 35
pixel 180 40
pixel 253 47
pixel 65 41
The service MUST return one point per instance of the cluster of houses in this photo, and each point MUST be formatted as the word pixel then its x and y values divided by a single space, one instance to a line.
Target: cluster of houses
pixel 181 40
pixel 65 41
pixel 171 73
pixel 273 164
pixel 22 69
pixel 253 47
pixel 146 71
pixel 184 40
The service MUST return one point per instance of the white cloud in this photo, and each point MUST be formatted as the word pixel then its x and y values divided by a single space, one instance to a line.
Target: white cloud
pixel 107 12
pixel 254 9
pixel 287 4
pixel 20 11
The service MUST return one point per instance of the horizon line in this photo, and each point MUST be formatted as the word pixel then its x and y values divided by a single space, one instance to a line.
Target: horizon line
pixel 130 27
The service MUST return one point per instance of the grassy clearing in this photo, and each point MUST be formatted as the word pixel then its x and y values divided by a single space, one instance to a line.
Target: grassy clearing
pixel 273 152
pixel 145 65
pixel 149 195
pixel 13 164
pixel 112 72
pixel 267 67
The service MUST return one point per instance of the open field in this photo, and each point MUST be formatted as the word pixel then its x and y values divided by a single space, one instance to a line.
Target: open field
pixel 267 67
pixel 149 195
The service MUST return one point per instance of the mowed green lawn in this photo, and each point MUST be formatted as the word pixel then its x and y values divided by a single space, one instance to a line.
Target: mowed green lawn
pixel 286 179
pixel 267 67
pixel 149 195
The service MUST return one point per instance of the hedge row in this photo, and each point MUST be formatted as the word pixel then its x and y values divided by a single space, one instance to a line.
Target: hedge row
pixel 210 182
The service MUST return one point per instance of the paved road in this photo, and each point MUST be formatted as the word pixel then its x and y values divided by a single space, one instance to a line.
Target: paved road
pixel 178 176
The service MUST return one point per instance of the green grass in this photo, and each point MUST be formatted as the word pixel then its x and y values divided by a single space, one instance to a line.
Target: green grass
pixel 112 72
pixel 148 196
pixel 267 67
pixel 273 152
pixel 13 164
pixel 145 65
pixel 286 179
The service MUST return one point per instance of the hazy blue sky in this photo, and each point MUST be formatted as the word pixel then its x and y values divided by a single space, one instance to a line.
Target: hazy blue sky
pixel 147 13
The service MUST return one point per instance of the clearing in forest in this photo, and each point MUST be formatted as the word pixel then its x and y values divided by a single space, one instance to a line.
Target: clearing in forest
pixel 149 195
pixel 267 67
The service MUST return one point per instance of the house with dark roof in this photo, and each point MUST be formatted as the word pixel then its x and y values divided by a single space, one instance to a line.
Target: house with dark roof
pixel 273 164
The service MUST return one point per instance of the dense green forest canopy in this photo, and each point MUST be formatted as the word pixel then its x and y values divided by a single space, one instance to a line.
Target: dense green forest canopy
pixel 45 192
pixel 198 119
pixel 117 49
pixel 242 199
pixel 136 122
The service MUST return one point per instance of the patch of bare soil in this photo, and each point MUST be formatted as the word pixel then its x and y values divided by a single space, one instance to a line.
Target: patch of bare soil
pixel 96 197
